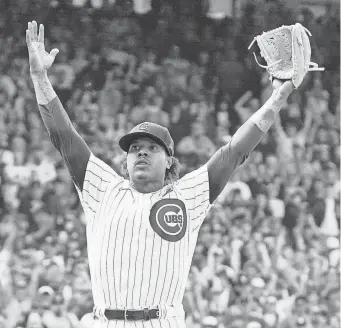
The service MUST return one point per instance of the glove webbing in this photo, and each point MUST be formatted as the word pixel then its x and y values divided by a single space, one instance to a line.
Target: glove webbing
pixel 313 68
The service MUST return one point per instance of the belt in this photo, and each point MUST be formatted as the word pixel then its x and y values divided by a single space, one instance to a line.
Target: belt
pixel 132 315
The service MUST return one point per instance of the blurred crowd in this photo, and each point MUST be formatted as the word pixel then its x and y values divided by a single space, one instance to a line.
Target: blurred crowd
pixel 268 255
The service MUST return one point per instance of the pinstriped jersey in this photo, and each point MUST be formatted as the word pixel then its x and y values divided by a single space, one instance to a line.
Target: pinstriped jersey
pixel 140 246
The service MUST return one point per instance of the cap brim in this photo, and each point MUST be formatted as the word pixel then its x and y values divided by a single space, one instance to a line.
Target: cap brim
pixel 127 140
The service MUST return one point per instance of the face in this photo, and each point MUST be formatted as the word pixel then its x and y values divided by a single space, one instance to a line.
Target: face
pixel 149 92
pixel 54 276
pixel 204 58
pixel 299 151
pixel 322 136
pixel 224 106
pixel 291 130
pixel 175 51
pixel 217 234
pixel 300 307
pixel 3 98
pixel 57 305
pixel 335 321
pixel 320 320
pixel 314 298
pixel 35 137
pixel 41 305
pixel 151 57
pixel 184 104
pixel 307 181
pixel 18 144
pixel 261 200
pixel 334 301
pixel 294 111
pixel 250 251
pixel 324 154
pixel 334 137
pixel 319 186
pixel 205 235
pixel 197 129
pixel 36 191
pixel 147 160
pixel 271 161
pixel 80 52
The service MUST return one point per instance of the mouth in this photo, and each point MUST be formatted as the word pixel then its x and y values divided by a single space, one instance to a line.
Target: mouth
pixel 142 162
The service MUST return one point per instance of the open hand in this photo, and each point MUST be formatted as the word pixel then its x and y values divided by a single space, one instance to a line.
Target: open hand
pixel 40 60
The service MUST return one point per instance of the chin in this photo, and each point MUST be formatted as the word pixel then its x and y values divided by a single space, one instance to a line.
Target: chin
pixel 141 175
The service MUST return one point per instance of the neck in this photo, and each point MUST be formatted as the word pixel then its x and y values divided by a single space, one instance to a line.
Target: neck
pixel 145 186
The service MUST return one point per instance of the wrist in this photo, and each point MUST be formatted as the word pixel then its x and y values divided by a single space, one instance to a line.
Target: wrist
pixel 36 76
pixel 279 98
pixel 43 88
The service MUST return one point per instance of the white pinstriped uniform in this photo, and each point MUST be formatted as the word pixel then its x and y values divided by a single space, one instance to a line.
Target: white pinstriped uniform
pixel 131 265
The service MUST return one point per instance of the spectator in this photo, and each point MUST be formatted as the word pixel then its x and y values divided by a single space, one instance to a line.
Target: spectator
pixel 300 315
pixel 196 146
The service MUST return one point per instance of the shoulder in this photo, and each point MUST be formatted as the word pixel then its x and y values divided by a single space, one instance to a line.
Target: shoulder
pixel 193 179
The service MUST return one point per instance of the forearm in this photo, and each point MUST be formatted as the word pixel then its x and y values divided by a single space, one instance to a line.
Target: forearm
pixel 243 99
pixel 266 260
pixel 307 123
pixel 63 135
pixel 235 259
pixel 43 89
pixel 42 231
pixel 34 282
pixel 253 130
pixel 10 240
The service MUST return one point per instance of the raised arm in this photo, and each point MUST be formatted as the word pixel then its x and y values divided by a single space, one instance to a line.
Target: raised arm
pixel 308 121
pixel 241 109
pixel 64 137
pixel 222 164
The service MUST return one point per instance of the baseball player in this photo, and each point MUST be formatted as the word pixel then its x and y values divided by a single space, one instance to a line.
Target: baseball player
pixel 141 229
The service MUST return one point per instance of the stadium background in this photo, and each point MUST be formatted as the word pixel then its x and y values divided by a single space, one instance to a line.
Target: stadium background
pixel 269 253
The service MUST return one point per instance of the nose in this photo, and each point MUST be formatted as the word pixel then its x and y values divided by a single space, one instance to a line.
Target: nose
pixel 142 152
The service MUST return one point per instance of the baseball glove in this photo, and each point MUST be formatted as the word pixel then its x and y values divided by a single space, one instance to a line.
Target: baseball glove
pixel 287 52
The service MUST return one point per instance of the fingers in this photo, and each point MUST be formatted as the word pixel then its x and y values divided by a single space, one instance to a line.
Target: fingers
pixel 41 33
pixel 28 39
pixel 286 88
pixel 32 33
pixel 289 86
pixel 30 30
pixel 35 31
pixel 277 83
pixel 54 52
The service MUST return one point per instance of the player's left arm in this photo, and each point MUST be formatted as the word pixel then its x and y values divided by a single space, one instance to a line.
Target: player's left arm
pixel 222 164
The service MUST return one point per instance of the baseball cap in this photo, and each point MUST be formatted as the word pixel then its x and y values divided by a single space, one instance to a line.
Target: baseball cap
pixel 254 324
pixel 152 130
pixel 46 290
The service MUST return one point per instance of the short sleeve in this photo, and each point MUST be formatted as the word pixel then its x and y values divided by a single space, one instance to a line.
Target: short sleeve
pixel 98 177
pixel 195 190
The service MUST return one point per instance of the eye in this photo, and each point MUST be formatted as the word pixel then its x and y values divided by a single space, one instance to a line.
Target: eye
pixel 153 147
pixel 134 148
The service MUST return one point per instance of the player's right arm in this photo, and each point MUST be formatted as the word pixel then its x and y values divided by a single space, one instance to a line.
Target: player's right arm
pixel 63 135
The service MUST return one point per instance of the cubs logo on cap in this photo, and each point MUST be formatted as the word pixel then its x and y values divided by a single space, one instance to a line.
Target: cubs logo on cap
pixel 168 218
pixel 144 126
pixel 152 130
